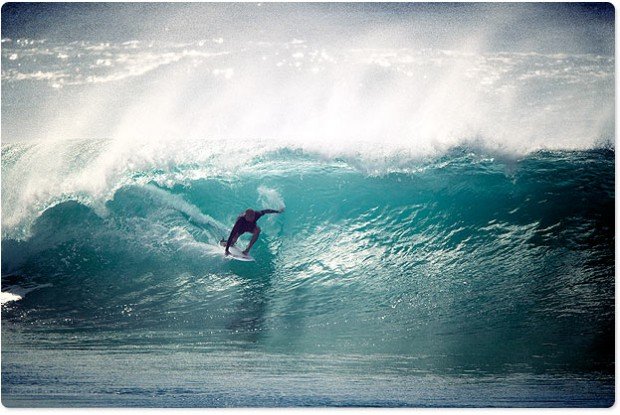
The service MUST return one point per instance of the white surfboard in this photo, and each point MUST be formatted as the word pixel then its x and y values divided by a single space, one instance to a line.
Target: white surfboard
pixel 236 253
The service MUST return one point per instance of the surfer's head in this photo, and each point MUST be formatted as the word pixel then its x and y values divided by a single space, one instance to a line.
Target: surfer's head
pixel 249 215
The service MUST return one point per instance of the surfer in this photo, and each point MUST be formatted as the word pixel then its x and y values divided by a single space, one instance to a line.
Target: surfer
pixel 246 222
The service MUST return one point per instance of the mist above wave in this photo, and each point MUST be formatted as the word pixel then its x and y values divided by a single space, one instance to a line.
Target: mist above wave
pixel 312 96
pixel 324 77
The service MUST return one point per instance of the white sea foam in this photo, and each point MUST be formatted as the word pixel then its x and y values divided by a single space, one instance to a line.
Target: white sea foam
pixel 270 198
pixel 16 293
pixel 176 202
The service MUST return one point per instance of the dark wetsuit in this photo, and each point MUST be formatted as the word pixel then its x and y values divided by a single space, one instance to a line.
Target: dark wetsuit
pixel 242 225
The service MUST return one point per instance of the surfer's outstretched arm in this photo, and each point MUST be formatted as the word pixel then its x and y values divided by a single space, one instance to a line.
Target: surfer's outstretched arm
pixel 262 212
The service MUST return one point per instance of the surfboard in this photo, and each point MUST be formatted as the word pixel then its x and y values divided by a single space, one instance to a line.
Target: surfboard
pixel 236 253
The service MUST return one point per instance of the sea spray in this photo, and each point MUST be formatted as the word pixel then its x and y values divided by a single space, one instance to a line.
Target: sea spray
pixel 270 198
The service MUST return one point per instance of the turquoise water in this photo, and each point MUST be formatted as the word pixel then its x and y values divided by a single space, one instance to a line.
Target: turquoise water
pixel 432 282
pixel 447 174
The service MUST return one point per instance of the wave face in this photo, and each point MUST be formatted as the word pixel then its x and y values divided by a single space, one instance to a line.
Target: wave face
pixel 466 260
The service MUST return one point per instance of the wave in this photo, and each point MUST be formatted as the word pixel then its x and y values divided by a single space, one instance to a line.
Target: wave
pixel 447 192
pixel 38 175
pixel 463 245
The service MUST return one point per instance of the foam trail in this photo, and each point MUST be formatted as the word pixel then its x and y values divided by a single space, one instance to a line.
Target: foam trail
pixel 176 202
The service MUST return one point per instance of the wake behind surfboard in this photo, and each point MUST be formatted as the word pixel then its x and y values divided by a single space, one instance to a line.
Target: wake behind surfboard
pixel 236 253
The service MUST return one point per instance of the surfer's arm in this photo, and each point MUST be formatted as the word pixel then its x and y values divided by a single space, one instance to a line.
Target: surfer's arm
pixel 262 212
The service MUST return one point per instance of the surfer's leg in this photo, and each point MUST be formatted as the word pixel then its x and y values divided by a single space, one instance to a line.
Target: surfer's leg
pixel 255 234
pixel 233 242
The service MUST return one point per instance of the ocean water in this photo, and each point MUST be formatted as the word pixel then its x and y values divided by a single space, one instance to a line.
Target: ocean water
pixel 420 287
pixel 448 234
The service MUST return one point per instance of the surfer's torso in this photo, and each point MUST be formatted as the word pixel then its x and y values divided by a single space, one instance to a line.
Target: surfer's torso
pixel 243 225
